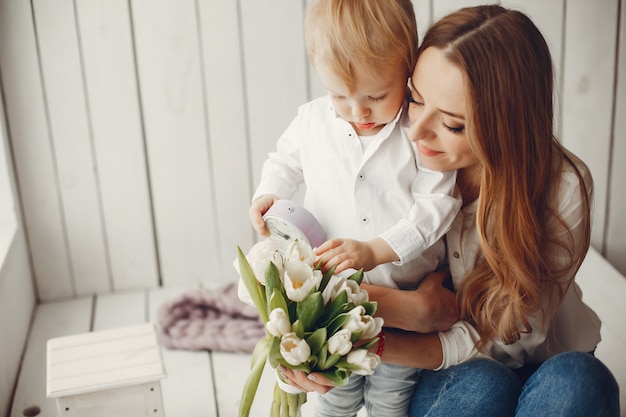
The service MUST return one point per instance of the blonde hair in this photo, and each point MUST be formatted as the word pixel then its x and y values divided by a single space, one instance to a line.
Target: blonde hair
pixel 366 35
pixel 509 79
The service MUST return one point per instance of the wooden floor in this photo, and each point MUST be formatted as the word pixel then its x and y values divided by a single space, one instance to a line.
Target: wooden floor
pixel 203 384
pixel 198 384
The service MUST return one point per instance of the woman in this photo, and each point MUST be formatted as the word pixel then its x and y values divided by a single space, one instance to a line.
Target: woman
pixel 481 103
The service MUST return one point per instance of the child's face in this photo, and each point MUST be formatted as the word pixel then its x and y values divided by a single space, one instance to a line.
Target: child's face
pixel 375 100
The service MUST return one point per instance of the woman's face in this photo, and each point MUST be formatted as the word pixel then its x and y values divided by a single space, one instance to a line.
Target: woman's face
pixel 437 110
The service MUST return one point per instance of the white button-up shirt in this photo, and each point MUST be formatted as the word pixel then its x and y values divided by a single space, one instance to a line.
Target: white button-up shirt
pixel 361 193
pixel 576 327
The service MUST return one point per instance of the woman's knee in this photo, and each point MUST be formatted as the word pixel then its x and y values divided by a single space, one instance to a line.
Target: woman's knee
pixel 575 384
pixel 478 387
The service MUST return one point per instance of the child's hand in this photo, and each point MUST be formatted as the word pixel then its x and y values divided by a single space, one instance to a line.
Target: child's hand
pixel 257 209
pixel 345 253
pixel 350 253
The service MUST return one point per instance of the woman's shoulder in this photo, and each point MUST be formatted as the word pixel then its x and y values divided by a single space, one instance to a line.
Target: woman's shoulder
pixel 574 181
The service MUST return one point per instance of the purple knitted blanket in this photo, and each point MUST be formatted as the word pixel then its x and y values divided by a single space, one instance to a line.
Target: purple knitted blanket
pixel 210 320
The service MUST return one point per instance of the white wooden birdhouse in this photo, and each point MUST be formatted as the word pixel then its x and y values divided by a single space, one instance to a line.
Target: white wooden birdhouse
pixel 113 372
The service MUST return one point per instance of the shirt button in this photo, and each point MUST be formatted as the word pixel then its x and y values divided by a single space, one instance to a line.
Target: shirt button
pixel 361 176
pixel 364 219
pixel 456 255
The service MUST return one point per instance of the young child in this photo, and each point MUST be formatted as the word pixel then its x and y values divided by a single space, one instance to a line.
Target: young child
pixel 379 208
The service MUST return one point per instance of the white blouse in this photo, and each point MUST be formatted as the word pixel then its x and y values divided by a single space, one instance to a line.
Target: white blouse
pixel 577 327
pixel 359 192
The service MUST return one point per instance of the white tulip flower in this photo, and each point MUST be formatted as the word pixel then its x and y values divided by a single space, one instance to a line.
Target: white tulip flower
pixel 358 320
pixel 294 350
pixel 366 360
pixel 338 283
pixel 340 343
pixel 278 324
pixel 300 252
pixel 261 255
pixel 299 279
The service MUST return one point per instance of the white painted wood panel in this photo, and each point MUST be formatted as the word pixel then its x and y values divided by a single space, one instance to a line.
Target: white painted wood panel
pixel 587 101
pixel 17 293
pixel 275 62
pixel 170 81
pixel 17 303
pixel 51 320
pixel 615 239
pixel 32 150
pixel 423 16
pixel 226 116
pixel 120 309
pixel 543 15
pixel 113 103
pixel 73 150
pixel 233 369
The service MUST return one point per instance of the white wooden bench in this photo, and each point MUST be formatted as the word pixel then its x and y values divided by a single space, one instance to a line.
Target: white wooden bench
pixel 203 384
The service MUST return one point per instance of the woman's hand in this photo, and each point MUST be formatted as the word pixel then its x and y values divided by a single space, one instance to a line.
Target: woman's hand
pixel 257 209
pixel 306 382
pixel 429 308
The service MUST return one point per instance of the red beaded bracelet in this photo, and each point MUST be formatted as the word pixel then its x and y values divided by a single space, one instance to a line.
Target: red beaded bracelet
pixel 381 343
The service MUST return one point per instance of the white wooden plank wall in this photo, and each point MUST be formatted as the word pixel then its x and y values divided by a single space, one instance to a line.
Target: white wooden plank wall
pixel 139 127
pixel 615 238
pixel 119 151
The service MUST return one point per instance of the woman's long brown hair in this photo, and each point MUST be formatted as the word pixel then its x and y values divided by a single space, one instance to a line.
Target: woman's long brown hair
pixel 509 82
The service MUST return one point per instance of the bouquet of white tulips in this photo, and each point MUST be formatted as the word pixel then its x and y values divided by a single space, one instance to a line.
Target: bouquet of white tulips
pixel 314 322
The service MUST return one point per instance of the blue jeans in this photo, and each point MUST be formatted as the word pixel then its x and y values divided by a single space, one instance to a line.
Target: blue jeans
pixel 570 384
pixel 387 392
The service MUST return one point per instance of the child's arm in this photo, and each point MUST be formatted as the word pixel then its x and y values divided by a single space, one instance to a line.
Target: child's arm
pixel 350 253
pixel 436 204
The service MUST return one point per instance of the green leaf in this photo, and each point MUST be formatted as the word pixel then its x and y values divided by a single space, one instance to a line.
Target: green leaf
pixel 346 366
pixel 357 276
pixel 338 305
pixel 338 376
pixel 332 360
pixel 274 355
pixel 316 340
pixel 323 357
pixel 336 323
pixel 356 335
pixel 370 307
pixel 326 278
pixel 277 300
pixel 272 277
pixel 272 281
pixel 253 286
pixel 304 367
pixel 298 328
pixel 259 357
pixel 310 310
pixel 293 316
